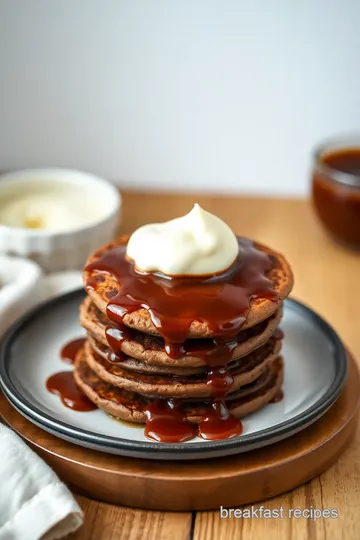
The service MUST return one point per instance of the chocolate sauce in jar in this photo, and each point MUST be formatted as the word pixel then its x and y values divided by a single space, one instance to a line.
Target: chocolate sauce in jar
pixel 336 191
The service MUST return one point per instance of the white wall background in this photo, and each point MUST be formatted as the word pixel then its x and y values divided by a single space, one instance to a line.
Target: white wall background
pixel 224 95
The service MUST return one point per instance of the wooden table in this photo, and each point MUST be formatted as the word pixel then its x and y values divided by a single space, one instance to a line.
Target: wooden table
pixel 327 278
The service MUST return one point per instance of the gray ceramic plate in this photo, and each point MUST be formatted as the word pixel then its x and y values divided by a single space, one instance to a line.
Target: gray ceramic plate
pixel 315 371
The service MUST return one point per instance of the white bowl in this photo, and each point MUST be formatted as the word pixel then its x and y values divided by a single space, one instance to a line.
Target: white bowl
pixel 62 248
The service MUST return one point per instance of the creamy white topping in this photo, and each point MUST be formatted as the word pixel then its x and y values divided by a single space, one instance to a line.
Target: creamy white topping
pixel 57 209
pixel 198 243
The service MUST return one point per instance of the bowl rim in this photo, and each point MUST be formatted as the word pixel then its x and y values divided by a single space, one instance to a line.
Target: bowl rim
pixel 75 177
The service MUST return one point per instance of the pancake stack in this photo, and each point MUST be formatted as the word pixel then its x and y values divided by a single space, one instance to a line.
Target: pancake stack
pixel 166 353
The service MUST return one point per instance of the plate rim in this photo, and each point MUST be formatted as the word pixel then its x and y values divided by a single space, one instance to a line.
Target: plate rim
pixel 102 441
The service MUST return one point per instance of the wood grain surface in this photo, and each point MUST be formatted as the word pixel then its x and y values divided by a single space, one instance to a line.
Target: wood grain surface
pixel 326 278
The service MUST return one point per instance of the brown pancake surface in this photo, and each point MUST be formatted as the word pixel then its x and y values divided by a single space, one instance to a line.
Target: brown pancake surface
pixel 132 364
pixel 150 349
pixel 195 386
pixel 129 406
pixel 259 308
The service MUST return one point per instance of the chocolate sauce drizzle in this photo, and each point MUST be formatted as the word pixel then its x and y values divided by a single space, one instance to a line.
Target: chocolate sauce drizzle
pixel 70 350
pixel 221 301
pixel 63 384
pixel 166 422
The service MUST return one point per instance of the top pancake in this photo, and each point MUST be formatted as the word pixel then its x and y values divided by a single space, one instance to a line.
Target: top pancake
pixel 259 308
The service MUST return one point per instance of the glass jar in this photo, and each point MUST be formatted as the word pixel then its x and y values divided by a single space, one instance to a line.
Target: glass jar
pixel 336 189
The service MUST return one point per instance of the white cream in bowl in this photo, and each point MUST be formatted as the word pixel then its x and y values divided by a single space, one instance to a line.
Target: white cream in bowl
pixel 53 206
pixel 56 217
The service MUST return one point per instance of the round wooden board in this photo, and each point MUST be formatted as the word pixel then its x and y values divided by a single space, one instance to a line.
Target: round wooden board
pixel 204 484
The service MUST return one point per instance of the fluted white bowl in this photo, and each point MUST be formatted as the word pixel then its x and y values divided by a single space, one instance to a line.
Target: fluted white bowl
pixel 68 249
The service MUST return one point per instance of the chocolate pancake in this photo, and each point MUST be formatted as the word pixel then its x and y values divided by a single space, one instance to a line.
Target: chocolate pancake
pixel 103 287
pixel 250 368
pixel 127 405
pixel 150 349
pixel 132 364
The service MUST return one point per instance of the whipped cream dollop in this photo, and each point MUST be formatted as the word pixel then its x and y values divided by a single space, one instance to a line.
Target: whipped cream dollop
pixel 198 243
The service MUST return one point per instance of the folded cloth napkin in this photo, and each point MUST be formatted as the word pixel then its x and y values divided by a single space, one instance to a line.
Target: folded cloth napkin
pixel 20 288
pixel 34 503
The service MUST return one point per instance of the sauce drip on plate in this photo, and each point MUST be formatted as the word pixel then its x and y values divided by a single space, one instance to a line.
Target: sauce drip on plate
pixel 70 350
pixel 63 385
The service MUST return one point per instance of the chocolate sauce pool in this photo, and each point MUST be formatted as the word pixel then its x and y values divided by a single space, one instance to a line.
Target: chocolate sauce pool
pixel 63 384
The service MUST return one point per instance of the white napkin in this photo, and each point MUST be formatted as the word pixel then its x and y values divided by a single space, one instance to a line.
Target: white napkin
pixel 34 503
pixel 20 288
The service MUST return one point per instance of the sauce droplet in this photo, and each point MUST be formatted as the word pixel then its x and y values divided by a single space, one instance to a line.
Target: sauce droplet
pixel 70 350
pixel 220 381
pixel 219 423
pixel 166 422
pixel 63 384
